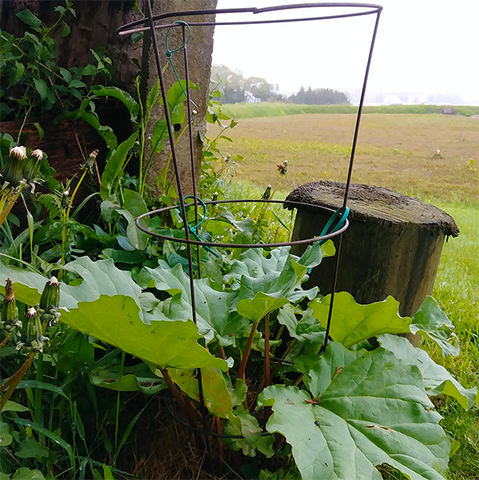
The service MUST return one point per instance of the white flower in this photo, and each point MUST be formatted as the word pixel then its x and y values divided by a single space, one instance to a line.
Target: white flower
pixel 19 151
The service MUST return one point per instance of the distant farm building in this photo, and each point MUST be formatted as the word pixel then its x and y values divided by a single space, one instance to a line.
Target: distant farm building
pixel 250 98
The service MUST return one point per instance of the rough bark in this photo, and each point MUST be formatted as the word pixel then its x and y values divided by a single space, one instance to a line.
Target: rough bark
pixel 392 246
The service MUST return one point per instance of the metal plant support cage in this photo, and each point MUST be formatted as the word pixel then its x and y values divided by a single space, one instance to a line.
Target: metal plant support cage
pixel 149 24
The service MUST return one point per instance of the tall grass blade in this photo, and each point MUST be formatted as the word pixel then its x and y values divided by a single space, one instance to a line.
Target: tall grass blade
pixel 52 436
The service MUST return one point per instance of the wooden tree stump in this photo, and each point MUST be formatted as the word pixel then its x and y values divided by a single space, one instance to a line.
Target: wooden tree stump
pixel 392 246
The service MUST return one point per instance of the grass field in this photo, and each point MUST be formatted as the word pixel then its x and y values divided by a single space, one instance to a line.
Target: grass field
pixel 430 156
pixel 256 110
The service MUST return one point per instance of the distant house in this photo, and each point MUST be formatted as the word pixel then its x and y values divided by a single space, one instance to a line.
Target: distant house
pixel 250 98
pixel 448 111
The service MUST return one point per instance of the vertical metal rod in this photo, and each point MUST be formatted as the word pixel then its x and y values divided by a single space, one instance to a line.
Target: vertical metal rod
pixel 182 202
pixel 360 109
pixel 174 157
pixel 335 280
pixel 348 181
pixel 199 376
pixel 192 151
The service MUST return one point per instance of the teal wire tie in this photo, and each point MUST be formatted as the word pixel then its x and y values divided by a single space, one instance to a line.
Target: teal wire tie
pixel 339 216
pixel 169 53
pixel 193 228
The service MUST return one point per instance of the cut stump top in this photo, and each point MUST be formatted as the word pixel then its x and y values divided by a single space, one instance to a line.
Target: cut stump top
pixel 368 202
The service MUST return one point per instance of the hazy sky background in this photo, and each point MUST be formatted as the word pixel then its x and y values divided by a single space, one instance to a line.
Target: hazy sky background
pixel 422 47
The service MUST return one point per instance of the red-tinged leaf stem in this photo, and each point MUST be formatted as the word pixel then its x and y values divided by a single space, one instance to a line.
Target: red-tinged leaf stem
pixel 247 350
pixel 267 377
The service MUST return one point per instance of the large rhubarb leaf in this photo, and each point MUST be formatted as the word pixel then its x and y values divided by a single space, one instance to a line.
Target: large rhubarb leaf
pixel 116 320
pixel 258 307
pixel 268 283
pixel 98 278
pixel 436 379
pixel 319 372
pixel 215 310
pixel 352 323
pixel 431 321
pixel 27 285
pixel 277 275
pixel 374 412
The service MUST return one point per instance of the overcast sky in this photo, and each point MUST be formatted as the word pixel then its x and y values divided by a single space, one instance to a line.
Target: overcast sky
pixel 423 47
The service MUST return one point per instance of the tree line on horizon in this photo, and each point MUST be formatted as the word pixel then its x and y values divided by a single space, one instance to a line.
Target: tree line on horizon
pixel 235 89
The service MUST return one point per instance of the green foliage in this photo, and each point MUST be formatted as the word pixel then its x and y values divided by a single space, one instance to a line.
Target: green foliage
pixel 160 343
pixel 355 323
pixel 31 82
pixel 367 425
pixel 333 408
pixel 436 378
pixel 431 321
pixel 319 96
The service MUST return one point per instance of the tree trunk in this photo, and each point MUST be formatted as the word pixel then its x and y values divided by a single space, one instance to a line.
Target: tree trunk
pixel 200 49
pixel 392 246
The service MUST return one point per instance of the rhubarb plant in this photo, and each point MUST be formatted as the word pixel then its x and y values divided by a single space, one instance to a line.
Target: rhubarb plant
pixel 257 341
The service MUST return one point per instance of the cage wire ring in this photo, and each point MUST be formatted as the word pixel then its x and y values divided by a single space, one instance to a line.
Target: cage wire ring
pixel 306 241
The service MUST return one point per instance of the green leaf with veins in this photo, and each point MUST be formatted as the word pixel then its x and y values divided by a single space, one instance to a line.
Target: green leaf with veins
pixel 436 379
pixel 258 307
pixel 247 425
pixel 319 372
pixel 431 321
pixel 307 329
pixel 267 284
pixel 215 310
pixel 277 275
pixel 98 278
pixel 116 321
pixel 352 323
pixel 376 411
